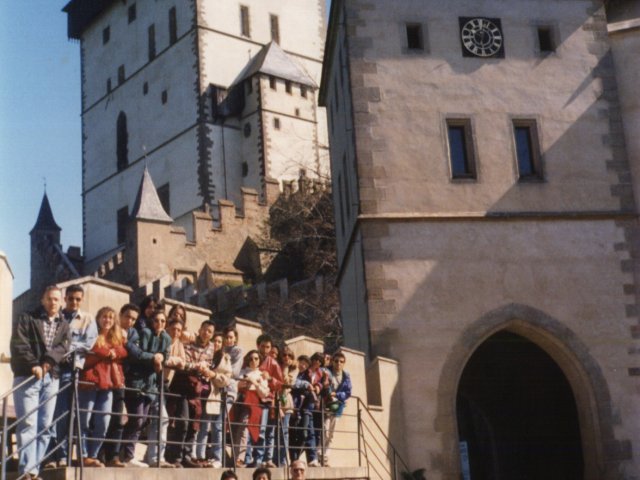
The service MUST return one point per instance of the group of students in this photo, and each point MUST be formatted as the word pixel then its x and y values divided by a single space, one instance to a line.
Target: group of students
pixel 141 371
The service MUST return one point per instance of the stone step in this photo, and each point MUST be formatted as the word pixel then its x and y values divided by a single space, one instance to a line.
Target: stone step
pixel 320 473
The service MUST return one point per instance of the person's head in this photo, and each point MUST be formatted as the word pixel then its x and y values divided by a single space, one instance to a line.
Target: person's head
pixel 205 332
pixel 327 359
pixel 174 329
pixel 317 360
pixel 230 336
pixel 338 361
pixel 261 473
pixel 228 475
pixel 298 470
pixel 218 340
pixel 264 344
pixel 177 312
pixel 148 305
pixel 275 352
pixel 158 321
pixel 251 360
pixel 128 315
pixel 287 357
pixel 303 363
pixel 108 328
pixel 73 296
pixel 51 300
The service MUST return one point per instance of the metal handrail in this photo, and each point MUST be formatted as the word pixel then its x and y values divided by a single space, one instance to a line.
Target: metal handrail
pixel 370 427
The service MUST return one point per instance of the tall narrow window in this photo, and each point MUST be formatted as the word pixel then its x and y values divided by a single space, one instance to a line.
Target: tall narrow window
pixel 120 74
pixel 461 153
pixel 245 28
pixel 122 146
pixel 287 87
pixel 546 42
pixel 108 85
pixel 272 83
pixel 106 35
pixel 276 123
pixel 152 42
pixel 525 134
pixel 415 39
pixel 122 217
pixel 303 91
pixel 131 13
pixel 173 26
pixel 164 196
pixel 275 28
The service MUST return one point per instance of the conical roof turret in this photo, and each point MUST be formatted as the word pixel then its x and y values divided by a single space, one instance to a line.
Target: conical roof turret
pixel 45 219
pixel 147 205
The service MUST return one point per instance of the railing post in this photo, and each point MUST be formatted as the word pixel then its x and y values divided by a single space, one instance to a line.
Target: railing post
pixel 3 473
pixel 223 427
pixel 359 420
pixel 395 467
pixel 75 401
pixel 160 408
pixel 322 439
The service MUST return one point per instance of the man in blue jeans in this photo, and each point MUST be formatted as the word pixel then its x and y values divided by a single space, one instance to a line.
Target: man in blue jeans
pixel 39 342
pixel 83 332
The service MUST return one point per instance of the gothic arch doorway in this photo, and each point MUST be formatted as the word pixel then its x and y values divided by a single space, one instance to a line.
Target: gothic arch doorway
pixel 517 414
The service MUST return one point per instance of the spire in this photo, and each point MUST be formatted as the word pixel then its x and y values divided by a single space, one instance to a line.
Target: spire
pixel 45 219
pixel 272 60
pixel 147 205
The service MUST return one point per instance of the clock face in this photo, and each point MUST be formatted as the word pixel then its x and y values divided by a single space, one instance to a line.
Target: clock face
pixel 481 37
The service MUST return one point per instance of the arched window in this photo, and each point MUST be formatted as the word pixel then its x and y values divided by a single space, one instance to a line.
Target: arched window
pixel 122 148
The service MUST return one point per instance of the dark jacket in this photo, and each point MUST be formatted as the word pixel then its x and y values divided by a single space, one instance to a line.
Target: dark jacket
pixel 28 349
pixel 140 373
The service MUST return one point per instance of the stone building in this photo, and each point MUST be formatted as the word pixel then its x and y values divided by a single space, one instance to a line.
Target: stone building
pixel 484 159
pixel 212 96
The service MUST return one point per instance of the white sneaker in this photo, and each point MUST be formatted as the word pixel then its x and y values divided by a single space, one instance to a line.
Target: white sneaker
pixel 314 463
pixel 133 463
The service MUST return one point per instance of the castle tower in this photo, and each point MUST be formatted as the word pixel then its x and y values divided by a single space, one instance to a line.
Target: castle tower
pixel 147 230
pixel 44 235
pixel 159 85
pixel 487 228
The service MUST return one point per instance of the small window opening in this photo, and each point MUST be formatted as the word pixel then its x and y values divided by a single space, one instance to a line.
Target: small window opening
pixel 108 85
pixel 245 28
pixel 527 150
pixel 276 123
pixel 121 75
pixel 414 36
pixel 297 112
pixel 152 42
pixel 173 26
pixel 145 88
pixel 545 40
pixel 272 83
pixel 461 153
pixel 106 35
pixel 287 86
pixel 303 91
pixel 131 13
pixel 245 169
pixel 165 96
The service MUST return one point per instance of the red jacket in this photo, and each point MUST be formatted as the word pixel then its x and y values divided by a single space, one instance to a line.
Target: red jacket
pixel 103 372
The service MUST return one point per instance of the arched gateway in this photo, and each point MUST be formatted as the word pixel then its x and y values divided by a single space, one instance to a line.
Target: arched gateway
pixel 516 412
pixel 520 396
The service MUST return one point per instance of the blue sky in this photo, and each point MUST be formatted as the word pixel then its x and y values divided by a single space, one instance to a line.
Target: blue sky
pixel 40 134
pixel 39 127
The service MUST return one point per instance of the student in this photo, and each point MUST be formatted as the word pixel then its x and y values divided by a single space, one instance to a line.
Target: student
pixel 39 342
pixel 289 374
pixel 101 374
pixel 247 412
pixel 189 385
pixel 111 450
pixel 142 379
pixel 83 331
pixel 336 401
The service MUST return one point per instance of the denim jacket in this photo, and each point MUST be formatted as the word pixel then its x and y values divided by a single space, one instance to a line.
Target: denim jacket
pixel 83 331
